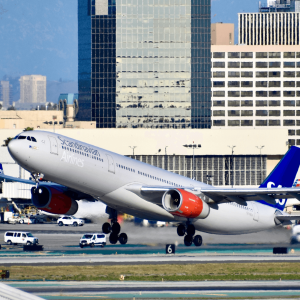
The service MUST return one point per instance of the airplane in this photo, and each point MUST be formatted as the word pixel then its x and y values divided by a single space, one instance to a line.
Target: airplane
pixel 66 170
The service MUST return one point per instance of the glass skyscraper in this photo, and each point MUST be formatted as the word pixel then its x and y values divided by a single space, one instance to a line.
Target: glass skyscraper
pixel 144 63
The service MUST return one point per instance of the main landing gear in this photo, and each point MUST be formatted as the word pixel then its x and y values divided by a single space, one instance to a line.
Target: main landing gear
pixel 189 232
pixel 114 230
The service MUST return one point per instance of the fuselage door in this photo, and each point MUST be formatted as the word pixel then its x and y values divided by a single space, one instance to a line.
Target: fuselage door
pixel 53 145
pixel 255 211
pixel 111 164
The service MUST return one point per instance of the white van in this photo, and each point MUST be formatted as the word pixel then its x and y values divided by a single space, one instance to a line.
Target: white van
pixel 20 237
pixel 93 239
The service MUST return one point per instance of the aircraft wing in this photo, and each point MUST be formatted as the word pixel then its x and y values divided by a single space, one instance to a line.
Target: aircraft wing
pixel 240 195
pixel 288 217
pixel 15 179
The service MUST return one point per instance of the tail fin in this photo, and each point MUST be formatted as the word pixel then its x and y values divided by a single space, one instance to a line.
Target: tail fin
pixel 283 175
pixel 1 169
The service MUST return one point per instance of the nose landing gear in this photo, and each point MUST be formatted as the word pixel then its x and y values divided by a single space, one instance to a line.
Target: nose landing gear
pixel 189 238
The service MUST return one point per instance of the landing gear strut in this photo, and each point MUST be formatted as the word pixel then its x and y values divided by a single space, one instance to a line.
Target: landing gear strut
pixel 189 238
pixel 114 229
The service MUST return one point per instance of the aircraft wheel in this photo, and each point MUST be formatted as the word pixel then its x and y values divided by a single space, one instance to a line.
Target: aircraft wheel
pixel 123 238
pixel 198 240
pixel 113 238
pixel 116 228
pixel 191 230
pixel 181 230
pixel 106 228
pixel 188 240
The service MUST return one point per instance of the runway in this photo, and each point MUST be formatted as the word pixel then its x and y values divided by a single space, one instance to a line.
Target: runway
pixel 151 290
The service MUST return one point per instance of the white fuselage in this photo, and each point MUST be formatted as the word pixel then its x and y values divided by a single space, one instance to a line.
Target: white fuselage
pixel 106 176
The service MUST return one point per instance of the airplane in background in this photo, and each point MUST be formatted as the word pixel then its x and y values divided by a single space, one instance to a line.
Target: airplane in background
pixel 66 170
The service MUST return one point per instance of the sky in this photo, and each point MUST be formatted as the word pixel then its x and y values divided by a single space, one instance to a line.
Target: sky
pixel 40 36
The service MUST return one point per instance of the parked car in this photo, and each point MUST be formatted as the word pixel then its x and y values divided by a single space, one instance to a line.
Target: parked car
pixel 92 239
pixel 20 237
pixel 295 238
pixel 70 220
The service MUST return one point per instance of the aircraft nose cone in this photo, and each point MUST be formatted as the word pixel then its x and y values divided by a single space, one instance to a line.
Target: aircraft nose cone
pixel 13 148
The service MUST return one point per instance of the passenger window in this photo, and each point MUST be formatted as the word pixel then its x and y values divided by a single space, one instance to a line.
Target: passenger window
pixel 33 139
pixel 21 137
pixel 19 234
pixel 94 237
pixel 23 235
pixel 28 138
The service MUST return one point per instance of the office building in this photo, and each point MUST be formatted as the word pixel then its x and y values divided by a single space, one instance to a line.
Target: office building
pixel 257 86
pixel 280 6
pixel 32 89
pixel 144 64
pixel 5 93
pixel 222 34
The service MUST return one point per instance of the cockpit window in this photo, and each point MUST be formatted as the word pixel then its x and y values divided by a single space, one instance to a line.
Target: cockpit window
pixel 16 136
pixel 28 138
pixel 33 139
pixel 21 137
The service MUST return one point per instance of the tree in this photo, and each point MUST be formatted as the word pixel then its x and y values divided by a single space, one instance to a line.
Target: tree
pixel 28 129
pixel 7 141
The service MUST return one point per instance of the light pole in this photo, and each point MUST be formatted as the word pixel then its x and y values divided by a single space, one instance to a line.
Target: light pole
pixel 193 146
pixel 231 165
pixel 260 147
pixel 132 147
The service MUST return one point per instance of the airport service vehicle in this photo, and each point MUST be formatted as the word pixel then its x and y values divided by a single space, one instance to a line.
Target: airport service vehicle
pixel 295 238
pixel 66 170
pixel 70 220
pixel 20 237
pixel 93 239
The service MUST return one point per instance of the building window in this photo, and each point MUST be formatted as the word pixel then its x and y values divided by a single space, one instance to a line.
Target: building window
pixel 274 93
pixel 247 113
pixel 233 113
pixel 298 84
pixel 291 142
pixel 274 74
pixel 274 64
pixel 219 94
pixel 298 64
pixel 219 122
pixel 219 84
pixel 233 54
pixel 298 142
pixel 233 64
pixel 261 103
pixel 274 113
pixel 274 83
pixel 297 132
pixel 288 74
pixel 289 54
pixel 233 74
pixel 291 132
pixel 219 55
pixel 261 123
pixel 261 55
pixel 288 122
pixel 298 74
pixel 289 93
pixel 297 113
pixel 219 74
pixel 247 55
pixel 289 83
pixel 274 122
pixel 233 123
pixel 219 103
pixel 247 74
pixel 288 113
pixel 247 84
pixel 247 123
pixel 247 103
pixel 261 94
pixel 289 64
pixel 261 83
pixel 246 94
pixel 274 103
pixel 219 113
pixel 261 64
pixel 233 103
pixel 247 64
pixel 219 64
pixel 233 84
pixel 261 113
pixel 298 54
pixel 233 93
pixel 274 55
pixel 289 103
pixel 261 74
pixel 298 93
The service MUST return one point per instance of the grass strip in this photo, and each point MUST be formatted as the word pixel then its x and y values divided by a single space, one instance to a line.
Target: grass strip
pixel 170 272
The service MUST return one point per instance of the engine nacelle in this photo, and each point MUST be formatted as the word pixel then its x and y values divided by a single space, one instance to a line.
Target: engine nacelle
pixel 53 200
pixel 181 203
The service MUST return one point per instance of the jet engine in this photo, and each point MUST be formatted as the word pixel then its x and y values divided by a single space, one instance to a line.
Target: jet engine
pixel 181 203
pixel 53 200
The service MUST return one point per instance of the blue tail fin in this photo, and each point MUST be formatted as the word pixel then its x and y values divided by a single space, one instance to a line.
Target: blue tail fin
pixel 283 175
pixel 1 169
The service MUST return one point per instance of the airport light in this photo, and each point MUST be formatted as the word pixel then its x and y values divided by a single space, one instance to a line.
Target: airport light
pixel 260 147
pixel 132 147
pixel 231 165
pixel 193 146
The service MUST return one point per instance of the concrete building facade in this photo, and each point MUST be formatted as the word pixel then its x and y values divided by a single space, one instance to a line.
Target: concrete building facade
pixel 32 89
pixel 5 93
pixel 222 34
